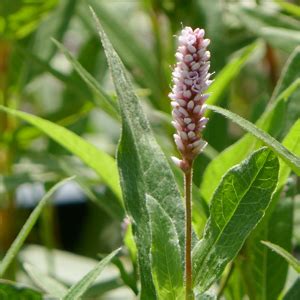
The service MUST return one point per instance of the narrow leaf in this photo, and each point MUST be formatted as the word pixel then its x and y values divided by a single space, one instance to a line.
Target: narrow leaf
pixel 134 54
pixel 46 283
pixel 78 289
pixel 23 234
pixel 293 262
pixel 98 160
pixel 165 253
pixel 237 206
pixel 143 169
pixel 108 104
pixel 290 159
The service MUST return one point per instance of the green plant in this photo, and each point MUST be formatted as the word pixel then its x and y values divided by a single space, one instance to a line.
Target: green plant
pixel 244 188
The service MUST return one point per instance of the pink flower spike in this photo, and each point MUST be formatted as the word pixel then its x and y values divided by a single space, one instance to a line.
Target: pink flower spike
pixel 191 78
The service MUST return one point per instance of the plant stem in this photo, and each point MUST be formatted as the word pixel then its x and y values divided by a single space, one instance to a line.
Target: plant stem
pixel 188 235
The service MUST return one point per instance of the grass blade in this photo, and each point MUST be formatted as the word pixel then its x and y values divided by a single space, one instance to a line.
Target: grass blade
pixel 103 164
pixel 19 241
pixel 78 289
pixel 45 282
pixel 109 104
pixel 290 159
pixel 293 262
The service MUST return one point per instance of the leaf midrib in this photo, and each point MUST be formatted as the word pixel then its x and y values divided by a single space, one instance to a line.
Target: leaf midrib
pixel 229 219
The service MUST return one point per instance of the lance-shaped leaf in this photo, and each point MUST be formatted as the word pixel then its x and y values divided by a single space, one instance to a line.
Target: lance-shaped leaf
pixel 80 287
pixel 103 164
pixel 106 103
pixel 143 169
pixel 237 206
pixel 165 253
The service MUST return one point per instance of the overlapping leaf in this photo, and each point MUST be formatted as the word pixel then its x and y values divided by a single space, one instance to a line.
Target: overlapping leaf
pixel 143 169
pixel 166 254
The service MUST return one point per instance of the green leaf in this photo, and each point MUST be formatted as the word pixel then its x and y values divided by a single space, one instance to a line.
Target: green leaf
pixel 16 291
pixel 293 262
pixel 98 160
pixel 23 234
pixel 237 206
pixel 294 292
pixel 291 8
pixel 106 103
pixel 78 289
pixel 227 74
pixel 143 169
pixel 289 158
pixel 166 255
pixel 274 120
pixel 48 284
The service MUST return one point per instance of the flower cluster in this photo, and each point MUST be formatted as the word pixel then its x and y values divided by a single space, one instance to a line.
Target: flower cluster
pixel 191 79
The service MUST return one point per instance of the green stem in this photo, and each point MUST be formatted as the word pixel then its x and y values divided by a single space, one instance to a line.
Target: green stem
pixel 188 236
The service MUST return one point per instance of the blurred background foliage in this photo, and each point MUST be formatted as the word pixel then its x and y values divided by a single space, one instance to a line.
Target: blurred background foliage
pixel 250 43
